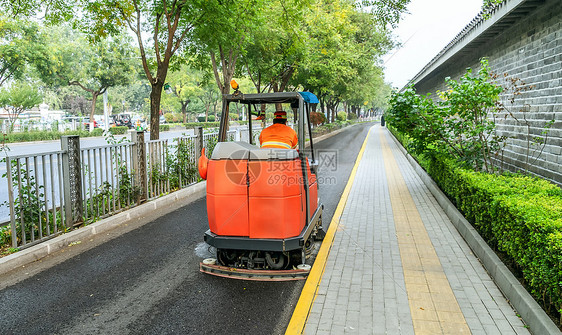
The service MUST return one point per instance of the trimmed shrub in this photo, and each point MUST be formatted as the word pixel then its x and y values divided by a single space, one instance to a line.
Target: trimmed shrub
pixel 119 130
pixel 164 127
pixel 352 116
pixel 317 118
pixel 329 127
pixel 173 117
pixel 341 116
pixel 48 135
pixel 519 216
pixel 169 117
pixel 201 124
pixel 210 118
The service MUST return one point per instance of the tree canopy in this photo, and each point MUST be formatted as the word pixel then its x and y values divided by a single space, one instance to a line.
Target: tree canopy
pixel 18 98
pixel 94 67
pixel 21 45
pixel 331 48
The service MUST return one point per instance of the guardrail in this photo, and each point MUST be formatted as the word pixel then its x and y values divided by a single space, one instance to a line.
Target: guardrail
pixel 33 184
pixel 52 192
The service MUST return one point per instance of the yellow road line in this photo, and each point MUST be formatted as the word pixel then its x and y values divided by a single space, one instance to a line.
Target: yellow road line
pixel 433 305
pixel 308 294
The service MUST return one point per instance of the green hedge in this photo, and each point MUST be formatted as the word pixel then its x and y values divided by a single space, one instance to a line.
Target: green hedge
pixel 164 127
pixel 201 124
pixel 120 130
pixel 96 132
pixel 31 136
pixel 210 118
pixel 520 216
pixel 329 127
pixel 48 135
pixel 341 116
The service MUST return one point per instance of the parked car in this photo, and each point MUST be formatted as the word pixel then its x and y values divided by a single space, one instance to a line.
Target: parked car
pixel 122 120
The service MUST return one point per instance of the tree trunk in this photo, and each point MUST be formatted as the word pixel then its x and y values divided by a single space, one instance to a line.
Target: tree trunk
pixel 278 106
pixel 228 65
pixel 207 106
pixel 184 111
pixel 215 111
pixel 93 110
pixel 323 111
pixel 155 97
pixel 13 117
pixel 282 86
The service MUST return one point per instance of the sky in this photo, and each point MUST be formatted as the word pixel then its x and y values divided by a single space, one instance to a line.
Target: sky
pixel 428 27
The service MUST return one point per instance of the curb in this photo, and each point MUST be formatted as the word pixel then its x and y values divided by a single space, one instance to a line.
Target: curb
pixel 531 312
pixel 36 252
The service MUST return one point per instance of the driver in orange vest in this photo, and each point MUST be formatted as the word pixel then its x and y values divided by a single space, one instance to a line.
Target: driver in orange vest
pixel 279 135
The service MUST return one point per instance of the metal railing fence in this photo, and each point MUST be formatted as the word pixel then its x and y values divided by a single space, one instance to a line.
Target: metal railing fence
pixel 50 193
pixel 108 185
pixel 34 195
pixel 244 135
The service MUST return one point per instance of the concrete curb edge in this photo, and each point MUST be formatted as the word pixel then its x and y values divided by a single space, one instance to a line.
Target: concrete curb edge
pixel 36 252
pixel 531 312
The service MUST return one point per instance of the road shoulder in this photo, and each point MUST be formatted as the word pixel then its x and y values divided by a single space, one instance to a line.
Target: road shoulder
pixel 127 220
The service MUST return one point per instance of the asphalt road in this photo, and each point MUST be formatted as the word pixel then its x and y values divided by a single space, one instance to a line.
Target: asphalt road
pixel 144 278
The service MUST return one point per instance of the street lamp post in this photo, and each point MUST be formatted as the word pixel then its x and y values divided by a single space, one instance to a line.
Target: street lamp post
pixel 105 112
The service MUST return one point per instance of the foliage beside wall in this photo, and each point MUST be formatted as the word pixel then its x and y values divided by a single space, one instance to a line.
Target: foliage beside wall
pixel 519 216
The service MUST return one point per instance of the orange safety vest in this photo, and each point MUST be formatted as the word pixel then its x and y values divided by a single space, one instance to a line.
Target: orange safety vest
pixel 278 136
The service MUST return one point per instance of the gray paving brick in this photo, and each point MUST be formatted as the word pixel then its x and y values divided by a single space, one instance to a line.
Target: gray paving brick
pixel 363 283
pixel 504 326
pixel 522 330
pixel 491 329
pixel 339 320
pixel 310 329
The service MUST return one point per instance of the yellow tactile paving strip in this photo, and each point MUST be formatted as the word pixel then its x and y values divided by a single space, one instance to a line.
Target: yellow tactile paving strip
pixel 433 305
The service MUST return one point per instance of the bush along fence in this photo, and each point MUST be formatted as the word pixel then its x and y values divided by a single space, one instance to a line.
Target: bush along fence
pixel 45 135
pixel 53 192
pixel 330 127
pixel 519 216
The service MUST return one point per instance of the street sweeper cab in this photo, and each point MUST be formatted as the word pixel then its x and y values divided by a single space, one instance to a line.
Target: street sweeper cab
pixel 262 203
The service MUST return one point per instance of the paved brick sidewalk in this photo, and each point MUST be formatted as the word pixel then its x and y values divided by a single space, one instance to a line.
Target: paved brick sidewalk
pixel 398 266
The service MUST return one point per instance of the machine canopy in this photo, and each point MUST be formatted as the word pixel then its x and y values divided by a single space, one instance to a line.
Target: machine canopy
pixel 309 97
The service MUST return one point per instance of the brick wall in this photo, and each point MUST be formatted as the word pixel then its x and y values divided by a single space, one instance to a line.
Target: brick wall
pixel 529 49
